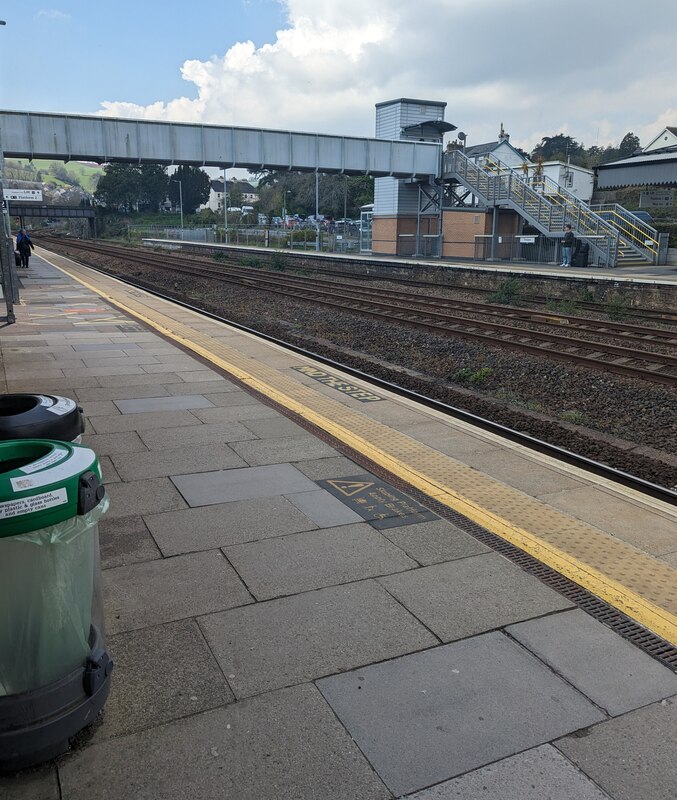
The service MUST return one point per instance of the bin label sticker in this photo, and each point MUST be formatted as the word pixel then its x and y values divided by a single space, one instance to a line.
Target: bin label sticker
pixel 45 401
pixel 29 505
pixel 42 463
pixel 62 406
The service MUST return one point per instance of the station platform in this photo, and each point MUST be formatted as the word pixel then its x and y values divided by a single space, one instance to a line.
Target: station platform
pixel 312 589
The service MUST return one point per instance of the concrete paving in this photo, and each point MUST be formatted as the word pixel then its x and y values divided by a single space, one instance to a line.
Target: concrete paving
pixel 272 645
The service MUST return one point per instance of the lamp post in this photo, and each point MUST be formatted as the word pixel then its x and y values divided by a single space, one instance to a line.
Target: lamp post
pixel 225 208
pixel 180 203
pixel 317 212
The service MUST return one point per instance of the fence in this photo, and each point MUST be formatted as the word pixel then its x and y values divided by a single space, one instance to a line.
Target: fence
pixel 427 246
pixel 529 249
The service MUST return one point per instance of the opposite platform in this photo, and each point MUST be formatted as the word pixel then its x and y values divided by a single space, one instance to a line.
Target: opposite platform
pixel 275 641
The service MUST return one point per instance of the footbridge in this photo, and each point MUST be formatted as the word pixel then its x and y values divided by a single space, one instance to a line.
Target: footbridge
pixel 68 137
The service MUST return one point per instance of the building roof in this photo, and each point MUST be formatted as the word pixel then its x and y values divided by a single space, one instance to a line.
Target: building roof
pixel 489 147
pixel 649 169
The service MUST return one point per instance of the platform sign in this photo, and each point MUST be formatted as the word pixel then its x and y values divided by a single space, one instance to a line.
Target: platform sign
pixel 377 502
pixel 24 194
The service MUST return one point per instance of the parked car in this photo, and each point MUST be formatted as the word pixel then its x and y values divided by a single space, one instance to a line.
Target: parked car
pixel 644 216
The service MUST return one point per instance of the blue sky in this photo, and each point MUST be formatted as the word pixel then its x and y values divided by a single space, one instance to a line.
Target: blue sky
pixel 592 70
pixel 69 56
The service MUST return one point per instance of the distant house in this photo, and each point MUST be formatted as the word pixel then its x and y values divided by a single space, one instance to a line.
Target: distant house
pixel 246 194
pixel 577 180
pixel 500 150
pixel 654 165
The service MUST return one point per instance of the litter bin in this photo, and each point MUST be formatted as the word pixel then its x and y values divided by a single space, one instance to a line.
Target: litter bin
pixel 54 667
pixel 40 416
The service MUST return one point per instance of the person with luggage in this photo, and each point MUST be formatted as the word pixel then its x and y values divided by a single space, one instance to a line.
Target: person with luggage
pixel 567 246
pixel 24 245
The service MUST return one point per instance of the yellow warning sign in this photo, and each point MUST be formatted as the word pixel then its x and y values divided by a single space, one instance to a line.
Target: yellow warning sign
pixel 350 488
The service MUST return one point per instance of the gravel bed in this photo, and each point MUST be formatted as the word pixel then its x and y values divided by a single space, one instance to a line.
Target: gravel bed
pixel 628 424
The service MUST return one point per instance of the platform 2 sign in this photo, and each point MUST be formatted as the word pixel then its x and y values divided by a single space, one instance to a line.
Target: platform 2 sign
pixel 377 502
pixel 339 384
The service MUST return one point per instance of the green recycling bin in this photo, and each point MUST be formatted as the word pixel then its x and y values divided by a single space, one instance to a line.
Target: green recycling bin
pixel 54 668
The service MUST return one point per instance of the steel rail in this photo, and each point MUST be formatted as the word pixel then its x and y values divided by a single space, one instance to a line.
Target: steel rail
pixel 597 468
pixel 447 325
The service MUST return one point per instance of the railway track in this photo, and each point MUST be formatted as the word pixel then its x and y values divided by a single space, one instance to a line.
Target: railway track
pixel 443 317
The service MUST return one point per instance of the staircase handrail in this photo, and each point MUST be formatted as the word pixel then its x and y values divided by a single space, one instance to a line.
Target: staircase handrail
pixel 642 235
pixel 503 183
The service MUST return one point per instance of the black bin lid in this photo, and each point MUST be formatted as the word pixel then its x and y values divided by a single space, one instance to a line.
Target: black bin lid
pixel 40 416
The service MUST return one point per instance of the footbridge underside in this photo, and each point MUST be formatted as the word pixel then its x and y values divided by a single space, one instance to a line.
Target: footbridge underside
pixel 107 139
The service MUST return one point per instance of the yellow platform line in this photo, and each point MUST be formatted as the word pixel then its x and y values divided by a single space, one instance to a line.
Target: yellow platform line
pixel 638 585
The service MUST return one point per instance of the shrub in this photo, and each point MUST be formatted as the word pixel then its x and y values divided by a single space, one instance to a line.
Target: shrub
pixel 468 375
pixel 251 261
pixel 508 292
pixel 279 262
pixel 220 256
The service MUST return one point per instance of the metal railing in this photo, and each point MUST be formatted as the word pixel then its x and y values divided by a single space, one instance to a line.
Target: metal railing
pixel 641 235
pixel 548 210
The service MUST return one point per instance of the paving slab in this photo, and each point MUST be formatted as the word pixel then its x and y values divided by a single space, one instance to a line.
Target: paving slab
pixel 208 527
pixel 434 542
pixel 531 477
pixel 428 717
pixel 105 371
pixel 108 471
pixel 96 408
pixel 276 451
pixel 143 497
pixel 135 380
pixel 321 469
pixel 651 532
pixel 104 347
pixel 170 403
pixel 608 669
pixel 210 488
pixel 203 434
pixel 120 392
pixel 40 783
pixel 161 673
pixel 125 540
pixel 471 595
pixel 176 460
pixel 152 592
pixel 63 386
pixel 143 421
pixel 280 427
pixel 315 559
pixel 324 509
pixel 296 639
pixel 632 757
pixel 538 774
pixel 285 745
pixel 237 413
pixel 109 443
pixel 197 375
pixel 206 387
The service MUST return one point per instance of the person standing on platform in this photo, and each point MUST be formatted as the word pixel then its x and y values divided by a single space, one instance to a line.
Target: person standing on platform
pixel 24 245
pixel 567 246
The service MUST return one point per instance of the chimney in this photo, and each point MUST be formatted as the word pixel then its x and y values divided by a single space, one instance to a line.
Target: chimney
pixel 502 135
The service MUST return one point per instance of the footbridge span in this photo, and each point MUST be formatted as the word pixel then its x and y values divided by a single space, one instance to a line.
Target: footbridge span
pixel 68 137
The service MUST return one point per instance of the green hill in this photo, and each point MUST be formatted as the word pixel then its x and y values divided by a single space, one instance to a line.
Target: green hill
pixel 74 173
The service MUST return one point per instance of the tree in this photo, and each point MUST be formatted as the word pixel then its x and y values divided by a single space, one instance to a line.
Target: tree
pixel 153 185
pixel 119 187
pixel 195 185
pixel 335 192
pixel 628 145
pixel 559 148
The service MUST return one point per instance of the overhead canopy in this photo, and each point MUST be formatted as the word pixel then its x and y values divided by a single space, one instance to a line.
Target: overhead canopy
pixel 434 128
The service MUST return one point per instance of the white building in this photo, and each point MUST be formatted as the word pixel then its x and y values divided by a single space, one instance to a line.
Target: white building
pixel 579 181
pixel 246 194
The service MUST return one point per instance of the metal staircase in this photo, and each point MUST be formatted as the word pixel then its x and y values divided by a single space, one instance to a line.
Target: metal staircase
pixel 612 235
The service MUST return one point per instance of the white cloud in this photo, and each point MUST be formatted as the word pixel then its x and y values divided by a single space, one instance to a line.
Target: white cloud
pixel 593 71
pixel 52 14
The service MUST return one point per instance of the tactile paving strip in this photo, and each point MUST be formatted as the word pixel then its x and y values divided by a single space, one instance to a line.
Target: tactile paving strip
pixel 640 586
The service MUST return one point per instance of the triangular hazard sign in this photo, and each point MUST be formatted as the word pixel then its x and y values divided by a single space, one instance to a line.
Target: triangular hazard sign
pixel 350 488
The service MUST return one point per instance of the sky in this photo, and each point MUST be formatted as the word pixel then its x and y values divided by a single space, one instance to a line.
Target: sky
pixel 591 69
